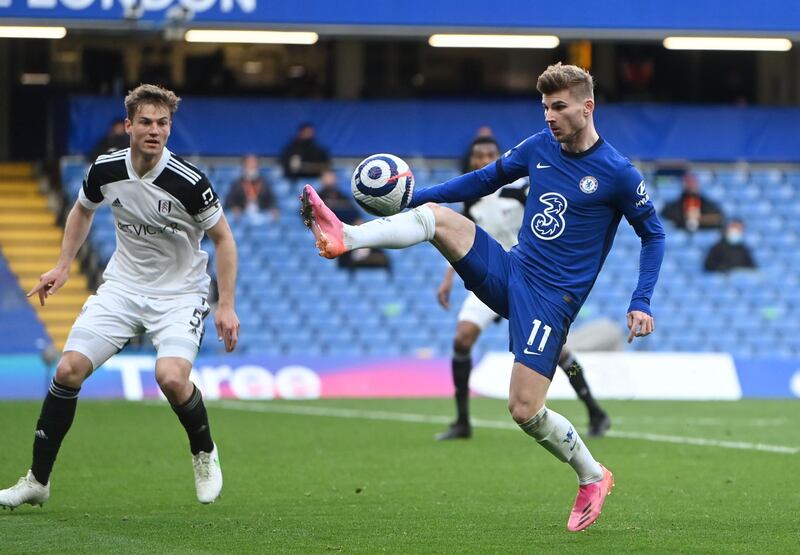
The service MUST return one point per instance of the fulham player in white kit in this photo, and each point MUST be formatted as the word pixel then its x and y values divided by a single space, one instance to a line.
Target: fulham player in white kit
pixel 155 283
pixel 500 215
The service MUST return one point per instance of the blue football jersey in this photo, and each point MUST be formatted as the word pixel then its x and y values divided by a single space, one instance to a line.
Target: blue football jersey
pixel 574 206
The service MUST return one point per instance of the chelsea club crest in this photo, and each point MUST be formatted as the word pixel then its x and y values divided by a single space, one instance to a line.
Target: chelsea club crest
pixel 588 184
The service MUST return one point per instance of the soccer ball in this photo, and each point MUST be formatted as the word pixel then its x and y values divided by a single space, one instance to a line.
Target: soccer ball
pixel 382 184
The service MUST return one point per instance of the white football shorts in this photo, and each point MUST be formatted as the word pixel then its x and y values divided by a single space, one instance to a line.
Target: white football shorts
pixel 112 317
pixel 473 310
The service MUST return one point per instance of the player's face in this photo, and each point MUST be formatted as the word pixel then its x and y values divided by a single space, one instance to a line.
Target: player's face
pixel 149 129
pixel 483 154
pixel 565 115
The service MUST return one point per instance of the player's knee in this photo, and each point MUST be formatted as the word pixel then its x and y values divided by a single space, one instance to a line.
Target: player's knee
pixel 72 373
pixel 435 208
pixel 523 409
pixel 463 343
pixel 172 384
pixel 444 216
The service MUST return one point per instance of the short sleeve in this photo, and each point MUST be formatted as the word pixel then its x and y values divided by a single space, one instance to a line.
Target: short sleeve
pixel 204 205
pixel 90 196
pixel 632 198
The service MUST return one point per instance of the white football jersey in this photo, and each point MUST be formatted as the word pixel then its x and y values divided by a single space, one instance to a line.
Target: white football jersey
pixel 500 214
pixel 160 219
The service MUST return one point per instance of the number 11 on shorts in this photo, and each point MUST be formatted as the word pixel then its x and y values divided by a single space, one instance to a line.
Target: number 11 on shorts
pixel 535 331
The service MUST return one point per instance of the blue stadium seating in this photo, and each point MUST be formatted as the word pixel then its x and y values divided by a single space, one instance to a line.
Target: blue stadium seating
pixel 20 328
pixel 291 301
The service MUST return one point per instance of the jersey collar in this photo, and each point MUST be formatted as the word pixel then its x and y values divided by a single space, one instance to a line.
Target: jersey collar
pixel 153 173
pixel 586 152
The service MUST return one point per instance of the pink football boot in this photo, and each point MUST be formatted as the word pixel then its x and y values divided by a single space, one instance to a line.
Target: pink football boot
pixel 589 502
pixel 323 223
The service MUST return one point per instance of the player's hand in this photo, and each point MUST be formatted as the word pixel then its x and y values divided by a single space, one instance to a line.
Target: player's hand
pixel 227 327
pixel 49 283
pixel 443 294
pixel 640 324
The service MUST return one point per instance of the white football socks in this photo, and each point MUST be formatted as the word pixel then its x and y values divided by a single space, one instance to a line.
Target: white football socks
pixel 395 232
pixel 557 435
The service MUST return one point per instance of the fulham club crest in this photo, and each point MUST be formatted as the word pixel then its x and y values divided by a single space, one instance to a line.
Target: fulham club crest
pixel 164 206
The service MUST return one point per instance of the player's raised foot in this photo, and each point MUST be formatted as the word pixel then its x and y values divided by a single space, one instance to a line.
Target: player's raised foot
pixel 456 430
pixel 328 230
pixel 599 423
pixel 207 475
pixel 26 490
pixel 589 502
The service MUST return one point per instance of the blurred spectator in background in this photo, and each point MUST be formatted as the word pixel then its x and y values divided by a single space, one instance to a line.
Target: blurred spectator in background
pixel 730 252
pixel 365 258
pixel 114 139
pixel 483 132
pixel 341 203
pixel 251 194
pixel 304 157
pixel 692 211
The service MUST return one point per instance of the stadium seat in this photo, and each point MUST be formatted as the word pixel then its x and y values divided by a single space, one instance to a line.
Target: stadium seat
pixel 292 302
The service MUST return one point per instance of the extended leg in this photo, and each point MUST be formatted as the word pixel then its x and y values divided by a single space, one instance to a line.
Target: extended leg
pixel 450 232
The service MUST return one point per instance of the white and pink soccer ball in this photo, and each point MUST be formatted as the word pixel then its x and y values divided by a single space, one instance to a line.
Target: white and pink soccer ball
pixel 382 184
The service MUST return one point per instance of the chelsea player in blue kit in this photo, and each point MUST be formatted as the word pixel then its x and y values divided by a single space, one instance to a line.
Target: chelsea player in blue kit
pixel 580 188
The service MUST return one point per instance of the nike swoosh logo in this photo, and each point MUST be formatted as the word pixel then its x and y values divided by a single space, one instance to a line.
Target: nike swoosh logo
pixel 540 166
pixel 527 352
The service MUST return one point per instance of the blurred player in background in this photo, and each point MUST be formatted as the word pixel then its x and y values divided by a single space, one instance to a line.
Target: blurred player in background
pixel 155 283
pixel 500 215
pixel 581 187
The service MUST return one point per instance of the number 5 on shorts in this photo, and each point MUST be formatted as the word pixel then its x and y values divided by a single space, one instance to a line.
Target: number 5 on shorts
pixel 535 331
pixel 197 318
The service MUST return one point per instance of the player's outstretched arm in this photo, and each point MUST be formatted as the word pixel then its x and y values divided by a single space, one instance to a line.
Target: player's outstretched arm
pixel 479 183
pixel 226 320
pixel 76 229
pixel 470 186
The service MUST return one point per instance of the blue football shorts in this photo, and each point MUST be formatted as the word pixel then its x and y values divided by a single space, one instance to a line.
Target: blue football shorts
pixel 537 328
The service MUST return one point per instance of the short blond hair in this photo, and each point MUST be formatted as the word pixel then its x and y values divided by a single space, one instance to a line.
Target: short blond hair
pixel 151 94
pixel 559 77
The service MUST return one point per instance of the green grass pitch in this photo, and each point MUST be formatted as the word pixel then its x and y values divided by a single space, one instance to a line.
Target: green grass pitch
pixel 365 476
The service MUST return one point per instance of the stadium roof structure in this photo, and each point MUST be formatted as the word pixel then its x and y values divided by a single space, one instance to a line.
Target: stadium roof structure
pixel 585 19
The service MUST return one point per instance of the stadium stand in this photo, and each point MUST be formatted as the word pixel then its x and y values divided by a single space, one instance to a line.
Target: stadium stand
pixel 20 329
pixel 286 306
pixel 30 240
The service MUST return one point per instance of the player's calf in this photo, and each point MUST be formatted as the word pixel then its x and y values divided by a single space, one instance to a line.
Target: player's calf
pixel 556 434
pixel 454 233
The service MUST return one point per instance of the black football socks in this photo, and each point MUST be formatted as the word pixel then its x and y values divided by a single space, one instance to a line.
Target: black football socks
pixel 577 380
pixel 462 366
pixel 55 419
pixel 194 418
